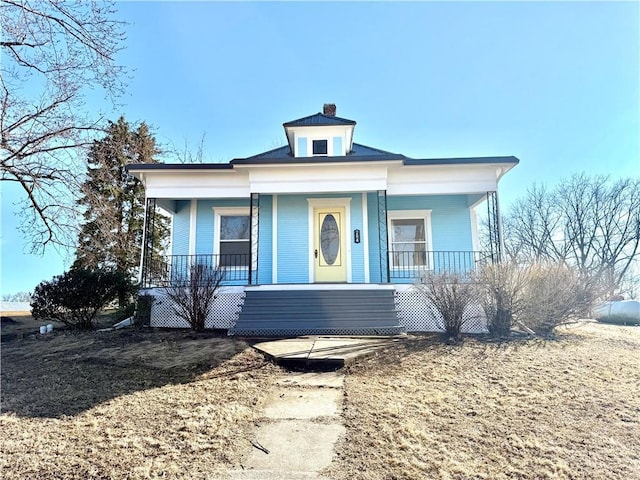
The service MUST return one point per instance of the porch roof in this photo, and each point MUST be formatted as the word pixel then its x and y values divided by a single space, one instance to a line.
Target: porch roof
pixel 273 160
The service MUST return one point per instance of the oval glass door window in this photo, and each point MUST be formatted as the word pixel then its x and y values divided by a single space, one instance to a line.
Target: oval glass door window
pixel 329 239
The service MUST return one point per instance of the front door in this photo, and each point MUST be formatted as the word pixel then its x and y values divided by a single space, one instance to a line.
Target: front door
pixel 329 249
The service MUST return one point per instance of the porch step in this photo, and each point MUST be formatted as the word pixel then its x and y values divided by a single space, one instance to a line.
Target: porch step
pixel 288 312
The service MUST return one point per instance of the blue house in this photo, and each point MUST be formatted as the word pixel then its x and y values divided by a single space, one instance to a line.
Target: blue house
pixel 323 235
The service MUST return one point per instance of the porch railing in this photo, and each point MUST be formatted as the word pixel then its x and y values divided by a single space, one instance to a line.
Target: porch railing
pixel 174 270
pixel 414 264
pixel 171 270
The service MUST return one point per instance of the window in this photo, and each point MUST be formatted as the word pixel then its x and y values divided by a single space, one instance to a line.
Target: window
pixel 234 237
pixel 319 147
pixel 409 238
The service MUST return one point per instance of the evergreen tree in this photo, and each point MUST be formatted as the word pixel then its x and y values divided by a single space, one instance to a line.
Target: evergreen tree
pixel 112 231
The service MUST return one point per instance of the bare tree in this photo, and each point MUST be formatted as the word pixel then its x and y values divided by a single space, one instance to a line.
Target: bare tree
pixel 187 153
pixel 590 223
pixel 52 52
pixel 16 297
pixel 193 295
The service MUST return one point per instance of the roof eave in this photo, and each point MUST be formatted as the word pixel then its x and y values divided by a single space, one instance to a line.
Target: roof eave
pixel 316 160
pixel 508 160
pixel 175 167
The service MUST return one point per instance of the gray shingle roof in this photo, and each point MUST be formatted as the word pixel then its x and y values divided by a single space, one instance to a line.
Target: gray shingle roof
pixel 279 152
pixel 318 119
pixel 363 150
pixel 358 150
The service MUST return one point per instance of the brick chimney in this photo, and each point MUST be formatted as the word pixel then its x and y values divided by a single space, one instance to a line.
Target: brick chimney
pixel 329 109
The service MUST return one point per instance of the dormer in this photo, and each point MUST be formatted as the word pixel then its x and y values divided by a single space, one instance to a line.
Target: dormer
pixel 320 135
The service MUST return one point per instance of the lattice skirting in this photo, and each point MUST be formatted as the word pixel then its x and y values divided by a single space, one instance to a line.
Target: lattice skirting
pixel 414 313
pixel 223 314
pixel 417 315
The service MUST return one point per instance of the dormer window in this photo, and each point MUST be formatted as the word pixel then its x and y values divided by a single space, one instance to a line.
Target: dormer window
pixel 320 147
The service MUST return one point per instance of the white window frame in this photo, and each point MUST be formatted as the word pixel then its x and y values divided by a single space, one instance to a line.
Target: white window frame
pixel 425 216
pixel 228 212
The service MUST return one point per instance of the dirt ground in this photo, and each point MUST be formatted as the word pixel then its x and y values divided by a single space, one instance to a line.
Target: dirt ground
pixel 567 408
pixel 173 404
pixel 127 404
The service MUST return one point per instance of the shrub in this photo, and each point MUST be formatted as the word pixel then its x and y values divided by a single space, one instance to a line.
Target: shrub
pixel 193 296
pixel 75 297
pixel 501 291
pixel 450 296
pixel 554 295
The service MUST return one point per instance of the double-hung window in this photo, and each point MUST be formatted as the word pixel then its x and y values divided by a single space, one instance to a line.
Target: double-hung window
pixel 409 239
pixel 233 242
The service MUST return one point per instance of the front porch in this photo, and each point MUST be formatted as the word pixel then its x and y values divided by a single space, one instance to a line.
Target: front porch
pixel 268 250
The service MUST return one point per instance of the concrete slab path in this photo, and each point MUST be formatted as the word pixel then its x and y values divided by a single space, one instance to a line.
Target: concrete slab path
pixel 318 351
pixel 300 425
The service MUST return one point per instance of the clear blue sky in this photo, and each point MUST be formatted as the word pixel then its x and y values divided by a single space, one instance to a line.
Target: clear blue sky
pixel 555 84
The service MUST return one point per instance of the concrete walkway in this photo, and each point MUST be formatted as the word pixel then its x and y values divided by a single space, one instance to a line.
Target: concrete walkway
pixel 302 418
pixel 321 351
pixel 300 425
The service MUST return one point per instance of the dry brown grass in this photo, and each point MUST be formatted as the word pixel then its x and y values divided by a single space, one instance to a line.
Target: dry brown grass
pixel 529 409
pixel 128 404
pixel 154 404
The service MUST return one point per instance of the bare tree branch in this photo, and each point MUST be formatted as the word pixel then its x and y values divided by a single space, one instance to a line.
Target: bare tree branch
pixel 591 223
pixel 52 53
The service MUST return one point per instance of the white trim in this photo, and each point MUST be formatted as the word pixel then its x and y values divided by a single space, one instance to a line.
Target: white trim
pixel 193 217
pixel 225 211
pixel 306 178
pixel 231 211
pixel 344 202
pixel 317 178
pixel 409 215
pixel 365 237
pixel 319 132
pixel 274 240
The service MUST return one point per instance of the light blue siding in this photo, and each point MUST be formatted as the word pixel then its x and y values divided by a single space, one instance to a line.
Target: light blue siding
pixel 450 220
pixel 450 231
pixel 302 147
pixel 293 234
pixel 204 230
pixel 450 225
pixel 293 237
pixel 337 146
pixel 180 240
pixel 206 221
pixel 374 245
pixel 265 239
pixel 357 249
